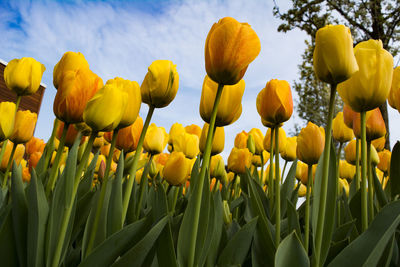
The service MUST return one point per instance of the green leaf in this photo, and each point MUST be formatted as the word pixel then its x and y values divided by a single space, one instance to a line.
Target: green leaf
pixel 367 249
pixel 8 249
pixel 395 171
pixel 218 227
pixel 137 255
pixel 355 208
pixel 293 218
pixel 291 253
pixel 380 195
pixel 288 187
pixel 38 210
pixel 86 183
pixel 114 214
pixel 237 248
pixel 19 214
pixel 107 252
pixel 329 217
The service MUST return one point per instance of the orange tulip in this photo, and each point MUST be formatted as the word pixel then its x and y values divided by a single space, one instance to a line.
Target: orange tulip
pixel 348 116
pixel 34 145
pixel 379 143
pixel 128 137
pixel 241 139
pixel 34 159
pixel 350 152
pixel 384 160
pixel 18 155
pixel 72 134
pixel 374 123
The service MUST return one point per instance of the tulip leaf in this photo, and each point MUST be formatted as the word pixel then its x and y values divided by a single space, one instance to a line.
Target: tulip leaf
pixel 329 217
pixel 86 183
pixel 380 195
pixel 19 214
pixel 288 186
pixel 367 249
pixel 238 246
pixel 83 207
pixel 38 210
pixel 291 253
pixel 8 249
pixel 218 227
pixel 117 244
pixel 395 171
pixel 293 219
pixel 114 214
pixel 136 256
pixel 354 205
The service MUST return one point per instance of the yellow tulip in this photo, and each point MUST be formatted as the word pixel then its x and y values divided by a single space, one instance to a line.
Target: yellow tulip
pixel 217 168
pixel 267 172
pixel 230 47
pixel 348 116
pixel 25 123
pixel 193 129
pixel 346 170
pixel 7 118
pixel 188 144
pixel 18 154
pixel 241 139
pixel 75 89
pixel 333 57
pixel 239 159
pixel 105 109
pixel 256 159
pixel 176 168
pixel 343 185
pixel 155 140
pixel 23 75
pixel 302 190
pixel 258 140
pixel 161 84
pixel 218 140
pixel 340 131
pixel 230 105
pixel 374 156
pixel 70 61
pixel 275 102
pixel 128 137
pixel 369 87
pixel 310 143
pixel 394 93
pixel 282 140
pixel 175 133
pixel 375 125
pixel 379 143
pixel 98 142
pixel 350 152
pixel 301 170
pixel 384 160
pixel 289 151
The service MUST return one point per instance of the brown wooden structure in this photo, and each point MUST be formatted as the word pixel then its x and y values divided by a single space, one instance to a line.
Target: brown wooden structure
pixel 30 102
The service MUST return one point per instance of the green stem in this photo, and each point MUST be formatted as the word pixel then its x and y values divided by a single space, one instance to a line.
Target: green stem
pixel 197 195
pixel 324 181
pixel 17 103
pixel 10 161
pixel 143 181
pixel 50 143
pixel 307 212
pixel 370 184
pixel 337 182
pixel 54 168
pixel 93 230
pixel 358 164
pixel 3 150
pixel 132 171
pixel 175 199
pixel 262 169
pixel 277 191
pixel 83 163
pixel 271 172
pixel 364 202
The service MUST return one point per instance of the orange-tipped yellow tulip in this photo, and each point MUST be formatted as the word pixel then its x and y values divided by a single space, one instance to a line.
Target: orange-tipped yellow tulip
pixel 348 116
pixel 310 143
pixel 289 151
pixel 34 145
pixel 25 123
pixel 7 119
pixel 282 140
pixel 241 139
pixel 258 138
pixel 176 168
pixel 239 159
pixel 188 144
pixel 23 75
pixel 230 105
pixel 379 143
pixel 161 84
pixel 230 47
pixel 70 61
pixel 155 140
pixel 340 131
pixel 333 57
pixel 375 125
pixel 275 102
pixel 193 129
pixel 384 160
pixel 369 87
pixel 218 140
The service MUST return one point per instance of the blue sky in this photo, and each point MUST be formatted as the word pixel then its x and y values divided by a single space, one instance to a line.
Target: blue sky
pixel 122 38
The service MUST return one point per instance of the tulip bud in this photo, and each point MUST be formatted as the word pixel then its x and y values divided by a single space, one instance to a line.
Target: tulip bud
pixel 7 118
pixel 155 140
pixel 230 105
pixel 302 190
pixel 25 123
pixel 346 170
pixel 310 143
pixel 275 102
pixel 70 61
pixel 369 87
pixel 227 213
pixel 241 139
pixel 348 116
pixel 282 140
pixel 230 47
pixel 251 145
pixel 379 143
pixel 333 58
pixel 188 144
pixel 343 185
pixel 289 150
pixel 161 84
pixel 375 125
pixel 350 152
pixel 384 160
pixel 340 131
pixel 239 159
pixel 218 140
pixel 193 129
pixel 176 168
pixel 128 137
pixel 258 139
pixel 23 75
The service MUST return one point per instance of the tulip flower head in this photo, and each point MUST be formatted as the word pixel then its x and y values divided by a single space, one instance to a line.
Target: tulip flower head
pixel 379 143
pixel 241 139
pixel 239 159
pixel 310 143
pixel 394 93
pixel 282 140
pixel 350 152
pixel 155 140
pixel 384 160
pixel 218 140
pixel 176 168
pixel 346 170
pixel 25 123
pixel 7 119
pixel 258 138
pixel 289 151
pixel 188 144
pixel 128 137
pixel 70 61
pixel 348 116
pixel 340 131
pixel 375 125
pixel 34 145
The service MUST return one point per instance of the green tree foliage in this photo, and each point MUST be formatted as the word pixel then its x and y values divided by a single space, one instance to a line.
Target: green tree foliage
pixel 373 19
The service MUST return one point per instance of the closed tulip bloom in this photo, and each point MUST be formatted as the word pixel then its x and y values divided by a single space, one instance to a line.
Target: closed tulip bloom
pixel 256 159
pixel 275 102
pixel 7 118
pixel 301 170
pixel 343 185
pixel 379 143
pixel 282 140
pixel 239 159
pixel 161 84
pixel 218 140
pixel 23 75
pixel 346 170
pixel 267 172
pixel 155 140
pixel 175 133
pixel 375 125
pixel 289 151
pixel 105 109
pixel 350 152
pixel 333 57
pixel 241 139
pixel 384 160
pixel 25 123
pixel 18 155
pixel 258 140
pixel 348 116
pixel 105 149
pixel 132 89
pixel 75 89
pixel 72 133
pixel 176 168
pixel 374 156
pixel 128 137
pixel 34 145
pixel 188 144
pixel 302 190
pixel 304 173
pixel 70 61
pixel 369 87
pixel 34 159
pixel 394 93
pixel 230 105
pixel 340 131
pixel 193 129
pixel 217 167
pixel 310 143
pixel 230 47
